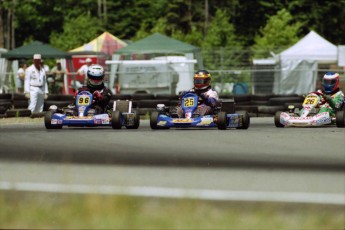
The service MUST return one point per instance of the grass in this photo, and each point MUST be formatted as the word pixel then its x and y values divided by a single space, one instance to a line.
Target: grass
pixel 53 210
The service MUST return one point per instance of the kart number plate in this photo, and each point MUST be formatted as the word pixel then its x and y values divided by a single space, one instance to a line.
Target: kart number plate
pixel 310 100
pixel 84 100
pixel 189 102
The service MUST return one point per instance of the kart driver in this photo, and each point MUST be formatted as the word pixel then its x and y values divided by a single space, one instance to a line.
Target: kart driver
pixel 208 98
pixel 332 96
pixel 95 85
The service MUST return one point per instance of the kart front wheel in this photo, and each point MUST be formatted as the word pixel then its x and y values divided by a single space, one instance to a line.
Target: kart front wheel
pixel 222 121
pixel 47 121
pixel 245 120
pixel 277 120
pixel 154 119
pixel 340 118
pixel 116 121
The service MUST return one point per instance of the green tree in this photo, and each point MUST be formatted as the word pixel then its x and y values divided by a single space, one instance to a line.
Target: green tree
pixel 278 34
pixel 76 32
pixel 326 17
pixel 220 43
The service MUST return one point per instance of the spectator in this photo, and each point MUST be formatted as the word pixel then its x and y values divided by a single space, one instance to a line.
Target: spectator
pixel 45 67
pixel 36 87
pixel 20 77
pixel 57 75
pixel 82 71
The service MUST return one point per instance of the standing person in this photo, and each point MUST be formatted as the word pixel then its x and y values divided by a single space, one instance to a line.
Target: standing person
pixel 36 87
pixel 20 77
pixel 82 71
pixel 44 66
pixel 208 98
pixel 58 75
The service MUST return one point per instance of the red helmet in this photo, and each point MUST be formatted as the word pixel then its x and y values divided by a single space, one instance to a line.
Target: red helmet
pixel 202 79
pixel 330 82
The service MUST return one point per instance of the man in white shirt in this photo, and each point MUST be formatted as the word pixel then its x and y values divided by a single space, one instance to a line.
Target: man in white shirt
pixel 35 85
pixel 83 69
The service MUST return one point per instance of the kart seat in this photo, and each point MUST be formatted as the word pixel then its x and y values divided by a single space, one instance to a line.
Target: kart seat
pixel 227 105
pixel 123 106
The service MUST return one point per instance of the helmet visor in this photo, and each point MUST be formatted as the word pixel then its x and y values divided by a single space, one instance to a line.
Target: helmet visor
pixel 329 81
pixel 200 81
pixel 95 82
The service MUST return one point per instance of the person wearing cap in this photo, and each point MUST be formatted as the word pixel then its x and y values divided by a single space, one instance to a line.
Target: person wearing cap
pixel 20 77
pixel 57 77
pixel 35 85
pixel 82 71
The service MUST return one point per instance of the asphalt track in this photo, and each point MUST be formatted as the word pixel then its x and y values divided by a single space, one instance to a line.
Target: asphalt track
pixel 262 163
pixel 262 145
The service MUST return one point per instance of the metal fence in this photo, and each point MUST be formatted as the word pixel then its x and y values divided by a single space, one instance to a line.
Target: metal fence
pixel 250 80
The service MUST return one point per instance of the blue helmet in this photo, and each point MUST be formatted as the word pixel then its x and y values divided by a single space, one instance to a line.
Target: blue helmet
pixel 330 82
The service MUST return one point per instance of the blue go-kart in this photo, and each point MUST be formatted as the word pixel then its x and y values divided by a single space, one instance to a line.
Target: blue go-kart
pixel 83 113
pixel 224 115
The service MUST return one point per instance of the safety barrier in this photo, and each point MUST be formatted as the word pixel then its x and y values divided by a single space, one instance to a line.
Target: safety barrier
pixel 257 105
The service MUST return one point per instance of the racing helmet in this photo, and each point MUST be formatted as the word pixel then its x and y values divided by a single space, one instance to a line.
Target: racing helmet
pixel 95 75
pixel 330 82
pixel 202 79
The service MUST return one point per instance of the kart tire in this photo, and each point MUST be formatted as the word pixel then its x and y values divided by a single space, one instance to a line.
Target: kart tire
pixel 153 120
pixel 136 122
pixel 47 120
pixel 277 120
pixel 340 119
pixel 116 120
pixel 222 122
pixel 245 120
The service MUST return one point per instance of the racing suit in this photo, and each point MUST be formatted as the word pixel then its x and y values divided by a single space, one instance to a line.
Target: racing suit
pixel 208 99
pixel 101 96
pixel 332 102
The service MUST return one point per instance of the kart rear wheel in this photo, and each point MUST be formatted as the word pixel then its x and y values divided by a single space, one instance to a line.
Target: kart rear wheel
pixel 340 118
pixel 277 120
pixel 222 122
pixel 136 122
pixel 47 120
pixel 116 120
pixel 245 120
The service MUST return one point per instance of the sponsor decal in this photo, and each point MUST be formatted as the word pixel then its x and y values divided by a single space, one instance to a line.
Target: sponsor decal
pixel 161 123
pixel 323 120
pixel 324 114
pixel 53 121
pixel 105 121
pixel 205 121
pixel 79 118
pixel 182 120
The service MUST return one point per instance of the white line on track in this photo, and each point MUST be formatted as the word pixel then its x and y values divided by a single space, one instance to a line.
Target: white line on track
pixel 203 194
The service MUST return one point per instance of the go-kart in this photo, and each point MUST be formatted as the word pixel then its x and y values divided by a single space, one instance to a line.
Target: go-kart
pixel 308 115
pixel 83 113
pixel 224 115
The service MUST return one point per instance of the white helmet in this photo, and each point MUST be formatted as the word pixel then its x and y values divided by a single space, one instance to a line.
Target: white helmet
pixel 95 74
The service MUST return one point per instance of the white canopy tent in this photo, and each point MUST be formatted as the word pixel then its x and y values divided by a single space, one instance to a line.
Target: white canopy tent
pixel 299 64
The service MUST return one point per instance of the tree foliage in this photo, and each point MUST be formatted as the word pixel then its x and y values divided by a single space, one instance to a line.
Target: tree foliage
pixel 76 32
pixel 278 34
pixel 67 23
